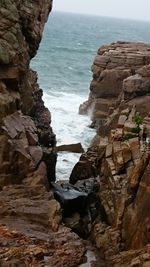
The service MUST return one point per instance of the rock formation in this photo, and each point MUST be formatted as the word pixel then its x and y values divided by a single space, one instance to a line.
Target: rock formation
pixel 30 231
pixel 24 121
pixel 119 156
pixel 120 71
pixel 121 162
pixel 115 168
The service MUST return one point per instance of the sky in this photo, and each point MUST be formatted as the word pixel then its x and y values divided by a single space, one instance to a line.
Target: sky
pixel 131 9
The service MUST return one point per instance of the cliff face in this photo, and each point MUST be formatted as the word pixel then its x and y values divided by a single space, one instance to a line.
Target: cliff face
pixel 29 216
pixel 120 71
pixel 24 121
pixel 119 157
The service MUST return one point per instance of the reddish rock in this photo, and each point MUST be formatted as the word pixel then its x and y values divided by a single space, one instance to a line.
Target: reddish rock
pixel 135 148
pixel 117 156
pixel 137 217
pixel 30 231
pixel 126 152
pixel 120 70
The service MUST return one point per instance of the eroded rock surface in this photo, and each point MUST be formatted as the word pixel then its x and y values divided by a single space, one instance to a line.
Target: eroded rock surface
pixel 30 231
pixel 121 233
pixel 24 121
pixel 120 71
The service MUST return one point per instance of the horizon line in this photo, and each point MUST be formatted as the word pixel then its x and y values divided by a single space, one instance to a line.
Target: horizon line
pixel 103 16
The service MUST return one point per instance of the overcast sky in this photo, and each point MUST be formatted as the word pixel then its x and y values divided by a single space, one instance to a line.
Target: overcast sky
pixel 135 9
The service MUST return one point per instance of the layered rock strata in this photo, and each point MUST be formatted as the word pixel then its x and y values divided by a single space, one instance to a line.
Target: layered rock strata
pixel 121 163
pixel 119 156
pixel 30 234
pixel 120 72
pixel 30 230
pixel 24 121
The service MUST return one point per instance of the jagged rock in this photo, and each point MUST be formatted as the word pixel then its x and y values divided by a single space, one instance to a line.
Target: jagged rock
pixel 137 218
pixel 82 170
pixel 17 153
pixel 120 71
pixel 30 231
pixel 126 152
pixel 116 135
pixel 20 97
pixel 86 167
pixel 138 171
pixel 135 148
pixel 117 156
pixel 108 150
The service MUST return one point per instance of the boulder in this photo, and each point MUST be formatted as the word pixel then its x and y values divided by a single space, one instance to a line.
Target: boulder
pixel 74 148
pixel 71 199
pixel 81 171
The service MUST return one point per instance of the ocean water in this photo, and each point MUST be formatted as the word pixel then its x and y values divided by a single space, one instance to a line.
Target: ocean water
pixel 63 63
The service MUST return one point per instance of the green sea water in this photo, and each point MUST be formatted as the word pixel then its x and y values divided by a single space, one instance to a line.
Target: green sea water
pixel 63 63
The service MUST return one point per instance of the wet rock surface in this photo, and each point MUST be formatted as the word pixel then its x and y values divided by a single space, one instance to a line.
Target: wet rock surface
pixel 30 231
pixel 80 205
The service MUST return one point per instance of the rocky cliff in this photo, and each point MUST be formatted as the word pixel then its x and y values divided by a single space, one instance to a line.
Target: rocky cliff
pixel 120 72
pixel 112 202
pixel 29 215
pixel 24 121
pixel 119 156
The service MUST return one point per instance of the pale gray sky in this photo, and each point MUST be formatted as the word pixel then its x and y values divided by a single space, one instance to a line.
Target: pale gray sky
pixel 135 9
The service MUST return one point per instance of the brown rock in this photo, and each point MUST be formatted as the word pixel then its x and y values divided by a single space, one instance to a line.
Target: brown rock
pixel 29 231
pixel 135 148
pixel 108 150
pixel 36 154
pixel 121 121
pixel 126 152
pixel 138 171
pixel 117 156
pixel 82 170
pixel 116 135
pixel 38 177
pixel 120 70
pixel 129 126
pixel 137 217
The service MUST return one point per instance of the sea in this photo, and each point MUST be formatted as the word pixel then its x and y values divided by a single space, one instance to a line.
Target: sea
pixel 63 63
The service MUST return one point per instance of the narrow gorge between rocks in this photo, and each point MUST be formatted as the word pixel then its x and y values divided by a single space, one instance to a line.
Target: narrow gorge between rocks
pixel 94 211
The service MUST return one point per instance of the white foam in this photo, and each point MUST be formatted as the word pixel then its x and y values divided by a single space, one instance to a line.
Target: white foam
pixel 69 127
